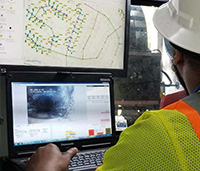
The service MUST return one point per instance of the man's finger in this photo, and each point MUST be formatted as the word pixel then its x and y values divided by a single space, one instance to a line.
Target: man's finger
pixel 70 153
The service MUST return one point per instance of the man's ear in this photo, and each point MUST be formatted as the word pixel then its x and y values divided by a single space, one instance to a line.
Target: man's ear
pixel 178 57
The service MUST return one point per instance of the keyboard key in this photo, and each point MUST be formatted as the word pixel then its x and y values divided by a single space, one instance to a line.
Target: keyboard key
pixel 87 159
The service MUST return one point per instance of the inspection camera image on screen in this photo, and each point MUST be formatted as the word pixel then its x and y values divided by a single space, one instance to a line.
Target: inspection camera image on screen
pixel 46 102
pixel 54 112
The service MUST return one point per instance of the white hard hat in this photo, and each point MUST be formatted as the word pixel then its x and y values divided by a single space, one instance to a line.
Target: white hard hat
pixel 179 22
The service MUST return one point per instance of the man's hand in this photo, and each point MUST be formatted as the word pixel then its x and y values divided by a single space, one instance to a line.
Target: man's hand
pixel 49 158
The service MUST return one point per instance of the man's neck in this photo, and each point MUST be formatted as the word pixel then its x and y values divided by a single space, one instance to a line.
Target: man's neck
pixel 192 80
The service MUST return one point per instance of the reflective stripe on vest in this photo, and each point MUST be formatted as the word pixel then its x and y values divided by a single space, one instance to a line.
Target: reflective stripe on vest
pixel 190 107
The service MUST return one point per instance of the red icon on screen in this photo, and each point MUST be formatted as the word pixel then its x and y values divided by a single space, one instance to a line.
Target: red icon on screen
pixel 91 132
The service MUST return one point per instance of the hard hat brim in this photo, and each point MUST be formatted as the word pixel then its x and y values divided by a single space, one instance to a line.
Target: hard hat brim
pixel 174 32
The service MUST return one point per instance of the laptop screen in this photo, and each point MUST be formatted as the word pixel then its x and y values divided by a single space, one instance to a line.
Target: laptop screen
pixel 60 111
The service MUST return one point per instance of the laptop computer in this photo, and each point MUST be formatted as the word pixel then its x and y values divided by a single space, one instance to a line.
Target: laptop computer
pixel 67 109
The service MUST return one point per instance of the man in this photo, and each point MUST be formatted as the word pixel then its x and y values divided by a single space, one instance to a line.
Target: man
pixel 166 139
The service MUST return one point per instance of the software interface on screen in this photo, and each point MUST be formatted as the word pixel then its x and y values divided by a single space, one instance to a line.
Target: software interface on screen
pixel 60 111
pixel 72 33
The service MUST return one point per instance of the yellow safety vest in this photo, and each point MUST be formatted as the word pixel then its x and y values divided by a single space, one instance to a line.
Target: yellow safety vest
pixel 162 140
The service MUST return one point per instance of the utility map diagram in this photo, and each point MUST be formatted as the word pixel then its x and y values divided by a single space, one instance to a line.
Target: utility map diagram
pixel 83 33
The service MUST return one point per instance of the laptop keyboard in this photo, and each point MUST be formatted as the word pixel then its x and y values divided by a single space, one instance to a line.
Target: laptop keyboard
pixel 87 160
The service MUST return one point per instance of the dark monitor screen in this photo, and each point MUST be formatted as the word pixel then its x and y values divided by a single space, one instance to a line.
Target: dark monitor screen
pixel 148 2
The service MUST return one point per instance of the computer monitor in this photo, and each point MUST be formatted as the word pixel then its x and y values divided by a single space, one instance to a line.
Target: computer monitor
pixel 50 107
pixel 46 112
pixel 74 34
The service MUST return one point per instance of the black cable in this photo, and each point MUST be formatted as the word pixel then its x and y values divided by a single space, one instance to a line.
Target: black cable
pixel 170 81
